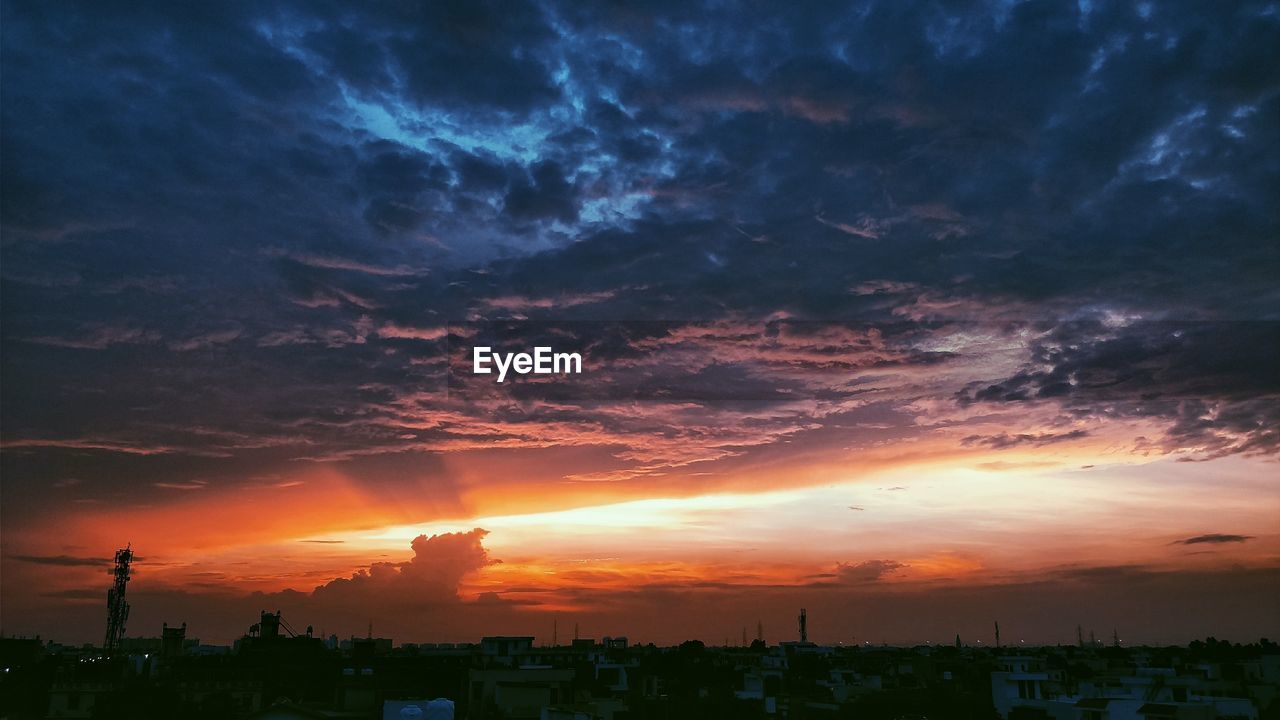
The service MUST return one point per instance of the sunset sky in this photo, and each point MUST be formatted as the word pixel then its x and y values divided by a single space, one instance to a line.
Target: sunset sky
pixel 919 316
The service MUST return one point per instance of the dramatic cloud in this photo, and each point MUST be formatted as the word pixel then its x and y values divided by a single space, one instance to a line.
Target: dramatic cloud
pixel 1213 383
pixel 867 571
pixel 431 576
pixel 247 248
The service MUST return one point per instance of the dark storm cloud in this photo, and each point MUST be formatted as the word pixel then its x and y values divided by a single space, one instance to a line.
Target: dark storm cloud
pixel 60 560
pixel 1005 440
pixel 232 235
pixel 545 194
pixel 1106 574
pixel 1214 539
pixel 1215 383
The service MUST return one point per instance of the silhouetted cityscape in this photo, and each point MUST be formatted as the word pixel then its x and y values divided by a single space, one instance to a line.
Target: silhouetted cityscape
pixel 277 671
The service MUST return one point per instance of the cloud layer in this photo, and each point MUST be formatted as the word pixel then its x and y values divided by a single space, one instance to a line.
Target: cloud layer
pixel 246 249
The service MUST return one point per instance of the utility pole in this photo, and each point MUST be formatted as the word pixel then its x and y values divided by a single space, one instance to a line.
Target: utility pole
pixel 997 634
pixel 804 626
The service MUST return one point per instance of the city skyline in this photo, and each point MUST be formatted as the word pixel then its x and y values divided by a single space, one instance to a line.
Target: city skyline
pixel 917 317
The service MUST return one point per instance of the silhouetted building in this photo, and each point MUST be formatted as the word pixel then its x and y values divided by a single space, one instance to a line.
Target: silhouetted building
pixel 172 641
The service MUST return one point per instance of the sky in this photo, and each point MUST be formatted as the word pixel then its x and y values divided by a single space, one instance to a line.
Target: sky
pixel 917 315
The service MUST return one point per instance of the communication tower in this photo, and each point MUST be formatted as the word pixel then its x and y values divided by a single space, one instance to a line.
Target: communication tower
pixel 117 606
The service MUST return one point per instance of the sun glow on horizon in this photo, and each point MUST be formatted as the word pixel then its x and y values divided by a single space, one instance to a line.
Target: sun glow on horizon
pixel 963 516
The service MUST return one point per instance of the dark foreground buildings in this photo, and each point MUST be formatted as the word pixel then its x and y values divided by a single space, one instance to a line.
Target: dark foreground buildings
pixel 276 673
